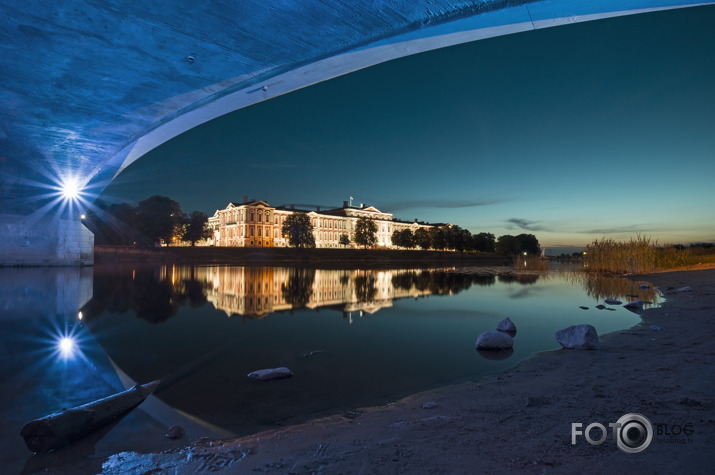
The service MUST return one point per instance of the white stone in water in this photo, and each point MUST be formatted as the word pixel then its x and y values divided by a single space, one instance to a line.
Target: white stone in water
pixel 270 374
pixel 644 286
pixel 611 301
pixel 687 288
pixel 635 304
pixel 429 405
pixel 578 337
pixel 494 340
pixel 506 325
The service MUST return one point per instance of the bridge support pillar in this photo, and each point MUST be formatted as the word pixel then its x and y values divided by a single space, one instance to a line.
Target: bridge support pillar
pixel 46 242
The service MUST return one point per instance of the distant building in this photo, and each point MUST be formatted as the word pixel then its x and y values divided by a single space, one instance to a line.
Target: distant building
pixel 258 224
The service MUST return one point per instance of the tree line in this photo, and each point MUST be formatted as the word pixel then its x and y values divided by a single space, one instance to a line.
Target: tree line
pixel 299 231
pixel 454 238
pixel 154 220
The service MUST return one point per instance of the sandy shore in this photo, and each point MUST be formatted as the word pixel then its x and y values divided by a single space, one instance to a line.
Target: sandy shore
pixel 519 421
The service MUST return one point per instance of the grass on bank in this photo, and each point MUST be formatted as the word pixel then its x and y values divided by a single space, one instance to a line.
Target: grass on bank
pixel 640 255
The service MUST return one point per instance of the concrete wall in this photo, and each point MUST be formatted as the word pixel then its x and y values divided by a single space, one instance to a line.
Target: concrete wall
pixel 47 242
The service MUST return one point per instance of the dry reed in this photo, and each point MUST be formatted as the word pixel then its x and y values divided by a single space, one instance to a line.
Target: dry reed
pixel 639 255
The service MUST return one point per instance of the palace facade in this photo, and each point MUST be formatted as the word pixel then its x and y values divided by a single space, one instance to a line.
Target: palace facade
pixel 258 224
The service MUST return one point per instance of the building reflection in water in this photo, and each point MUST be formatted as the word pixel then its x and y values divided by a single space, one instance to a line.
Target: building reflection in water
pixel 255 292
pixel 156 292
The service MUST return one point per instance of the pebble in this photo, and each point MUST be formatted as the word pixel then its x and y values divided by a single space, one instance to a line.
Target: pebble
pixel 175 432
pixel 429 405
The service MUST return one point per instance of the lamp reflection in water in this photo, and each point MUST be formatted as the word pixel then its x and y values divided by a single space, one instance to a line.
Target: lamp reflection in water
pixel 67 347
pixel 67 344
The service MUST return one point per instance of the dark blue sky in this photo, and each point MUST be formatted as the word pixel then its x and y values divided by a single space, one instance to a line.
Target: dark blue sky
pixel 604 128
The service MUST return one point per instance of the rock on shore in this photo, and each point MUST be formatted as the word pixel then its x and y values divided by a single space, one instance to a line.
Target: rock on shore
pixel 506 326
pixel 494 340
pixel 578 337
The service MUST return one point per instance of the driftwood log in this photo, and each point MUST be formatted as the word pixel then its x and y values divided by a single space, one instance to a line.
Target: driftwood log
pixel 61 428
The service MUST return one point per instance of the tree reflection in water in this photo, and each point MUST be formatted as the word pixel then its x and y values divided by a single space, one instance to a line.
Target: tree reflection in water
pixel 365 289
pixel 440 282
pixel 145 290
pixel 298 290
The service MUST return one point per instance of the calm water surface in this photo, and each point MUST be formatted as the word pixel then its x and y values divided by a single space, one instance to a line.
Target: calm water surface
pixel 353 338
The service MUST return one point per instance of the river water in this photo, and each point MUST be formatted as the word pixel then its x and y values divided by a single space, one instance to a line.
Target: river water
pixel 352 338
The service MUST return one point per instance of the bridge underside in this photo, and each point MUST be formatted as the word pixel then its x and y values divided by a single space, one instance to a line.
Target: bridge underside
pixel 88 86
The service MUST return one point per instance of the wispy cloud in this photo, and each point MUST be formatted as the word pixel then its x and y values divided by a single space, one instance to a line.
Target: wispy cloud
pixel 633 228
pixel 525 224
pixel 402 205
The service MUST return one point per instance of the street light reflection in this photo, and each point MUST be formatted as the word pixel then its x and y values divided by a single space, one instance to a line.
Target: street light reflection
pixel 67 347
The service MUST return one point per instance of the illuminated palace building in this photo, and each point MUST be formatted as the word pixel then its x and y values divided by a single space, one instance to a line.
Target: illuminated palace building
pixel 258 224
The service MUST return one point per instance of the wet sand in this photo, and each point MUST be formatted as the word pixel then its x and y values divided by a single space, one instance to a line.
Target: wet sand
pixel 519 421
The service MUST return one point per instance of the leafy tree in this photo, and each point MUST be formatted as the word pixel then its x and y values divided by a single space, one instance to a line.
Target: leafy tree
pixel 344 240
pixel 457 238
pixel 422 238
pixel 159 218
pixel 508 245
pixel 196 227
pixel 437 238
pixel 484 242
pixel 365 232
pixel 403 238
pixel 112 224
pixel 529 243
pixel 299 230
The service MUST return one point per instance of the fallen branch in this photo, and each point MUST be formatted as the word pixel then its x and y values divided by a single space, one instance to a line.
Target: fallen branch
pixel 61 428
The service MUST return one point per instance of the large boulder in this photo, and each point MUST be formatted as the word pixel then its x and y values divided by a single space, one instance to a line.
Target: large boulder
pixel 494 340
pixel 578 337
pixel 507 326
pixel 270 374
